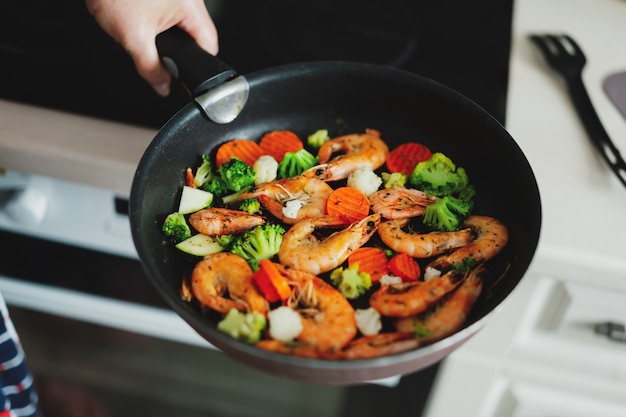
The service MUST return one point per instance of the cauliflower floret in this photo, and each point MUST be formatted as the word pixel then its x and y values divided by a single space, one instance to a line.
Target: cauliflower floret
pixel 390 280
pixel 291 208
pixel 265 168
pixel 364 180
pixel 368 321
pixel 285 324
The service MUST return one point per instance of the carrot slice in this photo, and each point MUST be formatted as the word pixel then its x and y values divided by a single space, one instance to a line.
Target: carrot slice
pixel 405 267
pixel 371 260
pixel 348 203
pixel 246 150
pixel 406 156
pixel 271 283
pixel 278 142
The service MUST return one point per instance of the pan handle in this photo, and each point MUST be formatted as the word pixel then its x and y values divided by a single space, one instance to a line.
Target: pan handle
pixel 197 69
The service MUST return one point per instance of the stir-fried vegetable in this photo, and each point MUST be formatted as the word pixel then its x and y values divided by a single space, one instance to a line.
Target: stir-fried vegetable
pixel 372 283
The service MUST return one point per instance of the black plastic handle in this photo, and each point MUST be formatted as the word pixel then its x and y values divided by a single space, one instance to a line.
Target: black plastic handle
pixel 197 69
pixel 594 127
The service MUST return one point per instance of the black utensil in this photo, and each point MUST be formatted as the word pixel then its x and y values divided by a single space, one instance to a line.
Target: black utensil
pixel 564 55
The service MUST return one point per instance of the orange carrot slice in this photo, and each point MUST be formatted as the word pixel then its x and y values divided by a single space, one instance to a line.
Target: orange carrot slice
pixel 406 156
pixel 405 267
pixel 246 150
pixel 348 203
pixel 371 260
pixel 272 284
pixel 278 142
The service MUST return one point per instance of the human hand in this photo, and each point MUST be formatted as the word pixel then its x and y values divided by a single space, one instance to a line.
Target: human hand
pixel 136 23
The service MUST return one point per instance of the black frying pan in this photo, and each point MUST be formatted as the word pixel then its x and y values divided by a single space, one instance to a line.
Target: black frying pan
pixel 344 98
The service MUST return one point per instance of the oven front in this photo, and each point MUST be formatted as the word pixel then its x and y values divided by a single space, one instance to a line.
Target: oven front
pixel 99 339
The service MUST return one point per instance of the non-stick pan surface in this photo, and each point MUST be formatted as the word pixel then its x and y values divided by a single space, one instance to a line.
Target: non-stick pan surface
pixel 343 98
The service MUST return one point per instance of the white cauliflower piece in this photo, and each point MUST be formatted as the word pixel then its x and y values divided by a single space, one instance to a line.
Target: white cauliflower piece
pixel 291 208
pixel 390 280
pixel 364 180
pixel 265 169
pixel 368 321
pixel 285 324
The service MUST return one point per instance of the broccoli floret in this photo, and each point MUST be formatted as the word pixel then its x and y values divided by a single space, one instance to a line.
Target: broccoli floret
pixel 204 173
pixel 216 186
pixel 246 327
pixel 350 282
pixel 225 240
pixel 439 176
pixel 236 174
pixel 258 243
pixel 394 179
pixel 295 163
pixel 318 138
pixel 446 213
pixel 176 227
pixel 250 205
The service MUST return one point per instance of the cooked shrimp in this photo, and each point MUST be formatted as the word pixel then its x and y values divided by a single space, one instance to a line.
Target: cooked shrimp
pixel 302 249
pixel 309 193
pixel 222 273
pixel 328 321
pixel 400 202
pixel 451 314
pixel 491 237
pixel 365 150
pixel 221 221
pixel 421 245
pixel 410 298
pixel 382 344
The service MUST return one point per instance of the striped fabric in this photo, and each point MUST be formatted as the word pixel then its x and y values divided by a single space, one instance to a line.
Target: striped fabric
pixel 17 396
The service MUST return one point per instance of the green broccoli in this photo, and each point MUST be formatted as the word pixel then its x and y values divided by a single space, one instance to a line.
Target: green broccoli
pixel 318 138
pixel 258 243
pixel 295 163
pixel 176 227
pixel 236 174
pixel 247 327
pixel 395 179
pixel 250 205
pixel 439 176
pixel 446 213
pixel 350 282
pixel 216 186
pixel 204 173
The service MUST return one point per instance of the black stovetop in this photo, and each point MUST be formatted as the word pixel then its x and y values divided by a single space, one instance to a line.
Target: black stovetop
pixel 54 55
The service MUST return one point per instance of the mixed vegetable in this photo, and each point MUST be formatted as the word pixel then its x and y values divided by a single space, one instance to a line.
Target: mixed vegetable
pixel 336 235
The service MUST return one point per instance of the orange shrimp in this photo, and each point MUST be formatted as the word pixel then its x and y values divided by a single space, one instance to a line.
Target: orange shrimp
pixel 222 273
pixel 451 314
pixel 410 298
pixel 421 245
pixel 491 237
pixel 309 193
pixel 328 320
pixel 400 202
pixel 221 221
pixel 303 250
pixel 365 150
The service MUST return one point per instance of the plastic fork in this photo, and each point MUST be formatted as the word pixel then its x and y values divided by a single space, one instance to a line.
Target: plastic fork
pixel 564 55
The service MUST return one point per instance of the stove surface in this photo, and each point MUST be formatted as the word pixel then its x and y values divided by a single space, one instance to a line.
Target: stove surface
pixel 58 57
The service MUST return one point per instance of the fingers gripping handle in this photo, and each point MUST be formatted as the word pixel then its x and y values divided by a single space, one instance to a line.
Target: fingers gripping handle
pixel 197 69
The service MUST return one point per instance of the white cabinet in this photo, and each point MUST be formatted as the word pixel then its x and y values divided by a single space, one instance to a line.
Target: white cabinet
pixel 539 357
